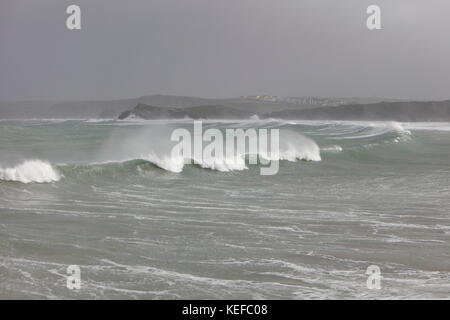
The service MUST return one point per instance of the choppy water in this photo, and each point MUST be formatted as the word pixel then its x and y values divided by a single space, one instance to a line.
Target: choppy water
pixel 102 195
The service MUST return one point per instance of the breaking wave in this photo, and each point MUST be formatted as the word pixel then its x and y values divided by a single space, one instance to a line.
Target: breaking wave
pixel 305 149
pixel 30 171
pixel 308 152
pixel 292 147
pixel 136 153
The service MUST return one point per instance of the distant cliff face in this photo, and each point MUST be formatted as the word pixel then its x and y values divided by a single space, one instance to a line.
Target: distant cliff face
pixel 199 112
pixel 385 111
pixel 176 107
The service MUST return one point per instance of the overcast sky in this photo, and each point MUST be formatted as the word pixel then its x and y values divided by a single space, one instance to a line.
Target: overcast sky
pixel 224 48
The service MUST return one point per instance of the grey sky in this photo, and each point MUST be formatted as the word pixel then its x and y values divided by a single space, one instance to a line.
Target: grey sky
pixel 224 48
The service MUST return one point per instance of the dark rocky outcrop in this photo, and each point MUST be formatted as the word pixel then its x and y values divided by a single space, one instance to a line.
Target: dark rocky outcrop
pixel 199 112
pixel 178 107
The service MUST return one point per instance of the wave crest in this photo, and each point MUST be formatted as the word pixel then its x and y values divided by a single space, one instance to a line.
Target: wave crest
pixel 30 171
pixel 293 147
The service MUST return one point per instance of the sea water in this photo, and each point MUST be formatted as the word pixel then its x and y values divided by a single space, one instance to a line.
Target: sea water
pixel 106 196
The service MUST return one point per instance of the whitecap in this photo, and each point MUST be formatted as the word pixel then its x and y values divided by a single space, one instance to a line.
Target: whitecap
pixel 30 171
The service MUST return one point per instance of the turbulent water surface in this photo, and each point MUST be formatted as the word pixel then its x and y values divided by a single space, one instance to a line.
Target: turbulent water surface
pixel 107 196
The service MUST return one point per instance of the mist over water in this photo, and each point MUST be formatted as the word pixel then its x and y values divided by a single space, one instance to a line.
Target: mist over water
pixel 108 196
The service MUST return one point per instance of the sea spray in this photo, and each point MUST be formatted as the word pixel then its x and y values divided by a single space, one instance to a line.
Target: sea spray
pixel 30 171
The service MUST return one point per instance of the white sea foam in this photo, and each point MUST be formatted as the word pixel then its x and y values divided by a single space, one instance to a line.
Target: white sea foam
pixel 369 130
pixel 99 120
pixel 333 149
pixel 428 126
pixel 223 164
pixel 151 144
pixel 168 163
pixel 293 147
pixel 30 171
pixel 176 164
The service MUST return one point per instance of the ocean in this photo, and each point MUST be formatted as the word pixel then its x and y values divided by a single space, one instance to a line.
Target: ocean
pixel 105 196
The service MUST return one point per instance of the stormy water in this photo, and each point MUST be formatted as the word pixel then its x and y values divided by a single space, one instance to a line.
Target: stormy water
pixel 108 197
